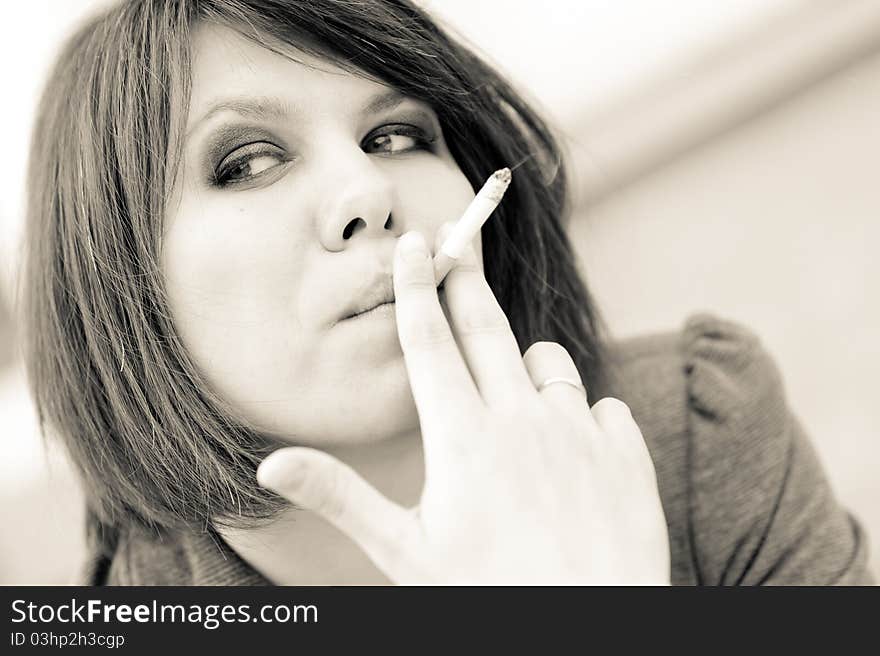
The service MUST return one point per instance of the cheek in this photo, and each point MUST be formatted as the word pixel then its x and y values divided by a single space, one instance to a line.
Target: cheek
pixel 226 262
pixel 232 275
pixel 427 199
pixel 453 197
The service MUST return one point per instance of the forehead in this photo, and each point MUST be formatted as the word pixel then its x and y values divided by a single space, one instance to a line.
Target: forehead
pixel 227 65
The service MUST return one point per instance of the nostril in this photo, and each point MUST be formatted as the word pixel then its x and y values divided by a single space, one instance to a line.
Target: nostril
pixel 350 228
pixel 389 222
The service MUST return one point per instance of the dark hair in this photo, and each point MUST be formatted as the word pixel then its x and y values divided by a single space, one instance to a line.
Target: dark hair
pixel 154 446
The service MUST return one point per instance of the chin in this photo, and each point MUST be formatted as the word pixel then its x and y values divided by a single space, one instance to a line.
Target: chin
pixel 362 421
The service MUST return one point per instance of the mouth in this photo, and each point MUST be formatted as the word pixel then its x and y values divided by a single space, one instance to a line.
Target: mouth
pixel 388 308
pixel 382 308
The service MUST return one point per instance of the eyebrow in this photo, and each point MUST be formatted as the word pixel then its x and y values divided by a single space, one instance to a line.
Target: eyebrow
pixel 276 108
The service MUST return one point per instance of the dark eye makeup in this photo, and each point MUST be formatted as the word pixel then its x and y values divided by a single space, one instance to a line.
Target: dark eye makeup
pixel 239 154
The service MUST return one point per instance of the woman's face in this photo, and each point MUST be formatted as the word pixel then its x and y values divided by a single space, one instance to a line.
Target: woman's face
pixel 297 181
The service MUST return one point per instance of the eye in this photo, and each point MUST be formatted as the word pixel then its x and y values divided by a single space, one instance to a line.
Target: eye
pixel 396 139
pixel 247 163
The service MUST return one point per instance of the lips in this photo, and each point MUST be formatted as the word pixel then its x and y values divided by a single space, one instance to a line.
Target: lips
pixel 379 290
pixel 378 308
pixel 441 294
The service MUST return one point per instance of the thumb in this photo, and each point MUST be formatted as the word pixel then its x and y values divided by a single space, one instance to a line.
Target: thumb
pixel 316 481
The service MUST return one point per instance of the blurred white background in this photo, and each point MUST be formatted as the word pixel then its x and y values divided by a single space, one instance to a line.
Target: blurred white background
pixel 726 156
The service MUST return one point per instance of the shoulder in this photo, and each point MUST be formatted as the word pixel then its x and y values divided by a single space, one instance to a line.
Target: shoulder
pixel 713 374
pixel 751 468
pixel 746 498
pixel 710 402
pixel 171 558
pixel 140 557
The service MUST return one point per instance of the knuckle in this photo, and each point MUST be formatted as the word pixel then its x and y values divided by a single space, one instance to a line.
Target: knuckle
pixel 423 333
pixel 549 347
pixel 419 280
pixel 482 321
pixel 612 413
pixel 546 351
pixel 612 406
pixel 468 266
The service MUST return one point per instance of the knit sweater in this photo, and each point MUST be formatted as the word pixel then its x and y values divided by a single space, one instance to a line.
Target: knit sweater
pixel 745 498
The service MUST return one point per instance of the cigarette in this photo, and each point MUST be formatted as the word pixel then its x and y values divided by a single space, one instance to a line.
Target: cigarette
pixel 467 227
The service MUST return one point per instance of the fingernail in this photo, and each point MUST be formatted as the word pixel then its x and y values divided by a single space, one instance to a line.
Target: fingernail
pixel 412 246
pixel 280 472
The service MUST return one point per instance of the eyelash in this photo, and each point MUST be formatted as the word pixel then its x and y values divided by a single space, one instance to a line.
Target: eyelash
pixel 222 175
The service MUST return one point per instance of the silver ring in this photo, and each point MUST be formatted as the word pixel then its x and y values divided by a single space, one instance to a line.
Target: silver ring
pixel 568 381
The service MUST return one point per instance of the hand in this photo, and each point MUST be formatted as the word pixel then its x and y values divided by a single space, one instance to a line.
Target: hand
pixel 520 486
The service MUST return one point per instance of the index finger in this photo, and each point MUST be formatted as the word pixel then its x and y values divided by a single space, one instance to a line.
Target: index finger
pixel 441 383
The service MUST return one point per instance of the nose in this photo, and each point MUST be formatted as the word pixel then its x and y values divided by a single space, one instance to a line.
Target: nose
pixel 358 203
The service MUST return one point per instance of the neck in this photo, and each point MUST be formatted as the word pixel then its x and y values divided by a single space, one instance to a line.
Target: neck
pixel 300 548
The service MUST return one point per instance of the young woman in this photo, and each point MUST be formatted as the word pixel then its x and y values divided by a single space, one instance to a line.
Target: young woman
pixel 232 210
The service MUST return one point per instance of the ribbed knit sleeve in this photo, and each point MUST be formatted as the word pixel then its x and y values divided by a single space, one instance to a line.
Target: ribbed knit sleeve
pixel 761 510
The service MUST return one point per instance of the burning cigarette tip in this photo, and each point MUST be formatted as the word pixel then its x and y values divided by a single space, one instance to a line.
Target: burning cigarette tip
pixel 503 175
